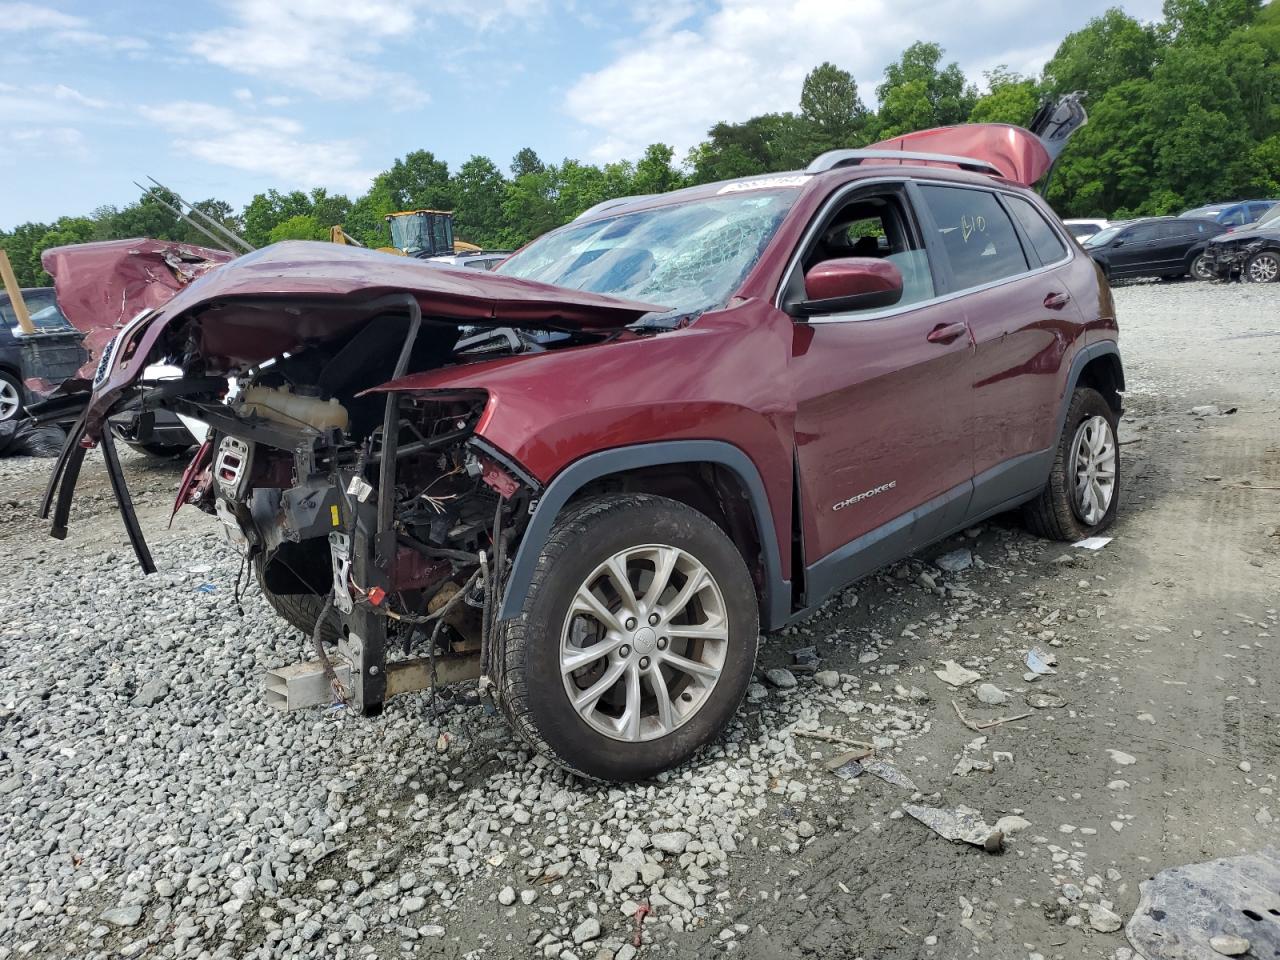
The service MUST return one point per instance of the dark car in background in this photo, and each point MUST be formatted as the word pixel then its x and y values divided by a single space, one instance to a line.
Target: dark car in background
pixel 1251 253
pixel 47 317
pixel 1235 214
pixel 1164 247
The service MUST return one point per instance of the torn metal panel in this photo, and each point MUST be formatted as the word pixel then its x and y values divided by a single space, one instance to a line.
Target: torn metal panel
pixel 101 286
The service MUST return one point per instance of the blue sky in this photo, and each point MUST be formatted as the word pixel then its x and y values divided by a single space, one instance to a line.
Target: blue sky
pixel 229 97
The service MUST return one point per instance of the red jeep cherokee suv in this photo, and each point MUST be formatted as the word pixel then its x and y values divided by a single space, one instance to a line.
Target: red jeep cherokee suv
pixel 592 477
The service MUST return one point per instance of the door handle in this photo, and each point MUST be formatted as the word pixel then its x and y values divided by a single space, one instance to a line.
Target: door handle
pixel 945 332
pixel 1056 301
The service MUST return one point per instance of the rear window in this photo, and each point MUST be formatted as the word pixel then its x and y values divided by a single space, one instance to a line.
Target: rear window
pixel 1048 245
pixel 975 234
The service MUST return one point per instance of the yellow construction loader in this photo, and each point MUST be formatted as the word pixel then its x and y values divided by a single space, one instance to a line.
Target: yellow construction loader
pixel 415 233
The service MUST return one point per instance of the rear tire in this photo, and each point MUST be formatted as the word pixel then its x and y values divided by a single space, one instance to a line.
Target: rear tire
pixel 300 609
pixel 1200 269
pixel 1071 505
pixel 661 692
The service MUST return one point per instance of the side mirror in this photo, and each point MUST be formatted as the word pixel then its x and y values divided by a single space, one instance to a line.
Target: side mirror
pixel 1118 242
pixel 849 283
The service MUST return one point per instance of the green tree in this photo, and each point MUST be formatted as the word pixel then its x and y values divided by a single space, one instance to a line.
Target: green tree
pixel 1010 98
pixel 419 180
pixel 266 210
pixel 304 226
pixel 830 105
pixel 654 171
pixel 917 92
pixel 1108 50
pixel 478 189
pixel 526 161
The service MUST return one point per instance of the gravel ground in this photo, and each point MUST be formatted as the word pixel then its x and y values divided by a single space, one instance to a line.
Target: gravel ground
pixel 151 805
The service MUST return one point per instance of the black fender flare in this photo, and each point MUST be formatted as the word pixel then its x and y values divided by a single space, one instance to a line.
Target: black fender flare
pixel 1081 360
pixel 775 597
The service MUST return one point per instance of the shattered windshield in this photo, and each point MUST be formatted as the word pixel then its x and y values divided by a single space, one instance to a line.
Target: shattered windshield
pixel 688 256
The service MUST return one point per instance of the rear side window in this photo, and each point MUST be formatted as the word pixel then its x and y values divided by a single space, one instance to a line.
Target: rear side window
pixel 1048 245
pixel 975 234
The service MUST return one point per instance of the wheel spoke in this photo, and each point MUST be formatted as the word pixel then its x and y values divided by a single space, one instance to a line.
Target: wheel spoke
pixel 577 659
pixel 691 667
pixel 664 563
pixel 658 684
pixel 697 579
pixel 586 701
pixel 584 601
pixel 713 630
pixel 629 722
pixel 617 571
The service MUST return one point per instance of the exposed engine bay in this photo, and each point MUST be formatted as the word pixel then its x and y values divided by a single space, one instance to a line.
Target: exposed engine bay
pixel 295 460
pixel 374 514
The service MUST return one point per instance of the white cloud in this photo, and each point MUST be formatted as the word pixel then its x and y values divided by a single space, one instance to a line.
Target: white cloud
pixel 27 143
pixel 337 49
pixel 55 29
pixel 44 104
pixel 273 146
pixel 21 17
pixel 749 57
pixel 325 47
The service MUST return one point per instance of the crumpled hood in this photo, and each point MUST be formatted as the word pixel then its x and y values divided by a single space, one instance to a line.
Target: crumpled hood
pixel 283 297
pixel 304 270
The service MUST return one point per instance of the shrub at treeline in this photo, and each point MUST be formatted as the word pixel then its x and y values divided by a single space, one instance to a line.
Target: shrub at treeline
pixel 1181 112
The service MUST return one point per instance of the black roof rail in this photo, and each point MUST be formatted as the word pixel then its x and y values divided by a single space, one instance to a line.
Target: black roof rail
pixel 851 158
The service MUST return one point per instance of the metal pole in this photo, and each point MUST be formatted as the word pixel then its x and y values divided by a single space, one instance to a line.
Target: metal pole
pixel 196 211
pixel 15 294
pixel 154 195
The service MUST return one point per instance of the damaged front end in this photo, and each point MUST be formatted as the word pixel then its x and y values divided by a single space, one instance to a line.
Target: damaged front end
pixel 377 520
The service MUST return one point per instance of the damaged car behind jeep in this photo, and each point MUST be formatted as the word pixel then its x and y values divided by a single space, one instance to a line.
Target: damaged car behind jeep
pixel 592 477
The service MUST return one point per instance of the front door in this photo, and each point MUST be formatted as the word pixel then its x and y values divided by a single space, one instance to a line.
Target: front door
pixel 883 435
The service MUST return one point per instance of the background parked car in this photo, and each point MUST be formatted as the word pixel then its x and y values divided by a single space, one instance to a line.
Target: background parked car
pixel 1155 247
pixel 1235 214
pixel 46 316
pixel 1251 253
pixel 1080 228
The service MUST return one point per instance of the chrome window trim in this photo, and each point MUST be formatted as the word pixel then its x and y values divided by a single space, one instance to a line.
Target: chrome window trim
pixel 837 197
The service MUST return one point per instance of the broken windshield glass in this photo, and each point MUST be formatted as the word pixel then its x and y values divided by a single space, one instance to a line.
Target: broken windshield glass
pixel 690 255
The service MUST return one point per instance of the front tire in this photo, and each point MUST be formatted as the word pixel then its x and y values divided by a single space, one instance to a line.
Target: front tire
pixel 636 641
pixel 301 610
pixel 1083 492
pixel 10 397
pixel 1263 267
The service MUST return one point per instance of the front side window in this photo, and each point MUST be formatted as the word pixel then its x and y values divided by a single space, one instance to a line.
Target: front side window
pixel 876 226
pixel 1044 239
pixel 1141 233
pixel 689 257
pixel 975 235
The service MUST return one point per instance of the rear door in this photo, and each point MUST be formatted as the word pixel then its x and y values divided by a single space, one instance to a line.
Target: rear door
pixel 1135 252
pixel 1011 274
pixel 883 407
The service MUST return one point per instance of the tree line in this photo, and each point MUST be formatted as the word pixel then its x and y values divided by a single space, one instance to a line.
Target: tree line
pixel 1181 112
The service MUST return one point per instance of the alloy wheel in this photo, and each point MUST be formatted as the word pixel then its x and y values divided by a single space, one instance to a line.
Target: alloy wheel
pixel 644 642
pixel 1093 469
pixel 9 400
pixel 1264 268
pixel 1200 268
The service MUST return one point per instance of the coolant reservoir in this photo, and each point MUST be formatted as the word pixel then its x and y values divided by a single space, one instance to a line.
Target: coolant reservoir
pixel 284 406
